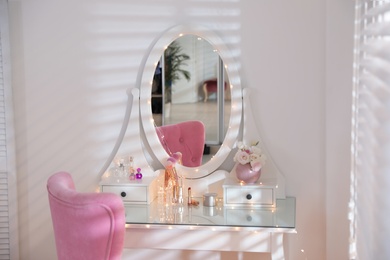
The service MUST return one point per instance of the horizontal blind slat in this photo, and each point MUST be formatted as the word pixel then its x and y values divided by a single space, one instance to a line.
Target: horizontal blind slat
pixel 375 8
pixel 376 30
pixel 377 49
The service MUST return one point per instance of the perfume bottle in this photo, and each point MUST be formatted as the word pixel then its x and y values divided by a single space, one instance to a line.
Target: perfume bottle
pixel 121 167
pixel 138 175
pixel 180 192
pixel 131 168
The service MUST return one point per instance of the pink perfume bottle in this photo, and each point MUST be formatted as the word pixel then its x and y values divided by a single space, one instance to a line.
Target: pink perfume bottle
pixel 138 175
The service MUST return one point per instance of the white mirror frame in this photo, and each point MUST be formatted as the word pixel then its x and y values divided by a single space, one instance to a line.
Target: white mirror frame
pixel 156 50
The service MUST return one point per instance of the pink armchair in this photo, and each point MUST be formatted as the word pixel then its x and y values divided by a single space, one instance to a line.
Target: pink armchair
pixel 86 225
pixel 186 137
pixel 210 86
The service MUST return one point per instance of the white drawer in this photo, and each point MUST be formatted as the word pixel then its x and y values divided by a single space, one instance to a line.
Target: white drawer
pixel 128 193
pixel 256 195
pixel 142 191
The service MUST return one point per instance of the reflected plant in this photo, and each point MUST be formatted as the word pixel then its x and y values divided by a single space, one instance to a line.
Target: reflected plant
pixel 174 60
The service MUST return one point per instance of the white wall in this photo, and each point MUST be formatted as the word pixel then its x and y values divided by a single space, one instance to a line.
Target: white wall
pixel 339 51
pixel 74 60
pixel 284 58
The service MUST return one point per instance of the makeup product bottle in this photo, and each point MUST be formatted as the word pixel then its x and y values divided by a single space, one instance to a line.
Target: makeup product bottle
pixel 174 194
pixel 121 167
pixel 131 169
pixel 180 192
pixel 180 195
pixel 189 196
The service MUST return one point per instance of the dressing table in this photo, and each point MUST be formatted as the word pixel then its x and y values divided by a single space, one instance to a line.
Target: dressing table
pixel 246 218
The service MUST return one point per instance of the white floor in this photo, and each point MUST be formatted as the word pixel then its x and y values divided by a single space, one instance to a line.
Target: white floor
pixel 207 112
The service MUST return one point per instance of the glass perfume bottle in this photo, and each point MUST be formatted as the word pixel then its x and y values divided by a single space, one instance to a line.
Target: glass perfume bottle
pixel 138 175
pixel 121 167
pixel 131 169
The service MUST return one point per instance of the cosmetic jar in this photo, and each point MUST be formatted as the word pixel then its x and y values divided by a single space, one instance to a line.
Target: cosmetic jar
pixel 210 199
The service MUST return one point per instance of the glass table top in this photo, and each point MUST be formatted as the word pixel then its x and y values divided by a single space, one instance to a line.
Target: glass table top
pixel 160 215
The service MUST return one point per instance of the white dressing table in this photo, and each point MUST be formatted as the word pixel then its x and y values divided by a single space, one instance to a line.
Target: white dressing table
pixel 227 227
pixel 219 228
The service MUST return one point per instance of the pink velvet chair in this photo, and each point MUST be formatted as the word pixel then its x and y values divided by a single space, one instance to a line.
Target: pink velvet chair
pixel 210 86
pixel 86 225
pixel 186 137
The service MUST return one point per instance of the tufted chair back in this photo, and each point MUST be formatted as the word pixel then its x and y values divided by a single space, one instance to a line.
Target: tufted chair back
pixel 86 225
pixel 186 137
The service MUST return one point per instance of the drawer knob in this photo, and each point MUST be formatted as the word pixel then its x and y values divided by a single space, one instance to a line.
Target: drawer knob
pixel 249 218
pixel 123 194
pixel 248 196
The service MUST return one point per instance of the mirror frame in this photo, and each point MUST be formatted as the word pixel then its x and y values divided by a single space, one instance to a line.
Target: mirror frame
pixel 155 51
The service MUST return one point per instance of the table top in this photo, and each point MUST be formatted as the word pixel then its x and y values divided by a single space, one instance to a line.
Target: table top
pixel 182 216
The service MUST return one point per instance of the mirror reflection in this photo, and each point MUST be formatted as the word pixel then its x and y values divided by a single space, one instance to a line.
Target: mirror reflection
pixel 191 84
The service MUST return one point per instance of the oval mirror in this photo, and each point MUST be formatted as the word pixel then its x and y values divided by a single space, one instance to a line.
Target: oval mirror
pixel 191 83
pixel 226 98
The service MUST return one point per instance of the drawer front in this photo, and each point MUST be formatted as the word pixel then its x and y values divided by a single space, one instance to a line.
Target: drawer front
pixel 245 196
pixel 128 193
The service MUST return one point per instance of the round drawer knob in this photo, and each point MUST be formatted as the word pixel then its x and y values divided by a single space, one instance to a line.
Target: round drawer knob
pixel 123 194
pixel 249 218
pixel 248 196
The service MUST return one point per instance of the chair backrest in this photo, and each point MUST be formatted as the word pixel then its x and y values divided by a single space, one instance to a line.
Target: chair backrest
pixel 186 137
pixel 86 225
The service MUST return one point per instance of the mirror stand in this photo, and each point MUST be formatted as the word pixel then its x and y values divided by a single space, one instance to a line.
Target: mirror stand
pixel 129 141
pixel 251 134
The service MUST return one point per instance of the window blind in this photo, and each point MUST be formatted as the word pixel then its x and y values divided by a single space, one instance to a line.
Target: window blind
pixel 4 217
pixel 8 200
pixel 370 150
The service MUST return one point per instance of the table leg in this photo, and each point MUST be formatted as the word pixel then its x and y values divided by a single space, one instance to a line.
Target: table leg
pixel 277 250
